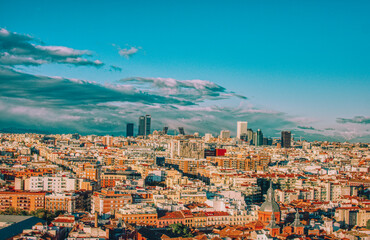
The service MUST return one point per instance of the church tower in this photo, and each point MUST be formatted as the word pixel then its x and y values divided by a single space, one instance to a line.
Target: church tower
pixel 273 227
pixel 269 207
pixel 298 227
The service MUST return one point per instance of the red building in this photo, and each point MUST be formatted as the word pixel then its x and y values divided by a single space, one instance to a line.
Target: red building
pixel 273 227
pixel 220 152
pixel 171 218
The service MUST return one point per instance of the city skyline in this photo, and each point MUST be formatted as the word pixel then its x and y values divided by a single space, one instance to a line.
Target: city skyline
pixel 93 68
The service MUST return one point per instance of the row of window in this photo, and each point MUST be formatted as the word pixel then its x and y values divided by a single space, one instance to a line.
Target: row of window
pixel 139 218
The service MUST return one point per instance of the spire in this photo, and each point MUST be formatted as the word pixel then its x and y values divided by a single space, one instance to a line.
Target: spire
pixel 272 224
pixel 270 193
pixel 270 205
pixel 297 222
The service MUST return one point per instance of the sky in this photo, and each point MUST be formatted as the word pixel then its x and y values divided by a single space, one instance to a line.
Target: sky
pixel 93 66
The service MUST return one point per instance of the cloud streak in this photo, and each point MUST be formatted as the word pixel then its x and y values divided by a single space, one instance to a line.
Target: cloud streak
pixel 356 120
pixel 115 68
pixel 194 90
pixel 20 49
pixel 63 92
pixel 306 128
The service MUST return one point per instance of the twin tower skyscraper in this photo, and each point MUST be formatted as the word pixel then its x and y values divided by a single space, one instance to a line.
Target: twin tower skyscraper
pixel 144 126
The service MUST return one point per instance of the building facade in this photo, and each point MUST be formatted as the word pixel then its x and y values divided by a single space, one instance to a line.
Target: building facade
pixel 242 129
pixel 22 200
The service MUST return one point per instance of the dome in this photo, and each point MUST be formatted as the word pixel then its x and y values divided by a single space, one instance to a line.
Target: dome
pixel 270 205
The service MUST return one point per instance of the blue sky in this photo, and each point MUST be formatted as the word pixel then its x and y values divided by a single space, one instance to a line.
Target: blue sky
pixel 308 62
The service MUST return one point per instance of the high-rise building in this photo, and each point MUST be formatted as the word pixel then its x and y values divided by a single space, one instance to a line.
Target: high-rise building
pixel 144 125
pixel 242 128
pixel 286 139
pixel 225 134
pixel 181 131
pixel 259 138
pixel 129 130
pixel 148 120
pixel 141 131
pixel 250 135
pixel 165 130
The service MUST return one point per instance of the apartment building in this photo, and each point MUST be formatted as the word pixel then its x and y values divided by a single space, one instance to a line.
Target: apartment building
pixel 353 215
pixel 109 201
pixel 27 201
pixel 51 183
pixel 138 214
pixel 89 171
pixel 109 179
pixel 61 201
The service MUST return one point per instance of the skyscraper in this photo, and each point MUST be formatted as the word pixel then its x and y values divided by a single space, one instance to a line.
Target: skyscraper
pixel 148 120
pixel 250 135
pixel 259 138
pixel 165 130
pixel 242 128
pixel 144 125
pixel 286 139
pixel 181 131
pixel 129 130
pixel 141 126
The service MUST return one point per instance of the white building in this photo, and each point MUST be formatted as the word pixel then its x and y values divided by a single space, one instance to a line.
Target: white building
pixel 225 134
pixel 208 137
pixel 54 184
pixel 242 129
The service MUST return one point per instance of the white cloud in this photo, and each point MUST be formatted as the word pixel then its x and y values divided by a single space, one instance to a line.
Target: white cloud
pixel 21 49
pixel 128 52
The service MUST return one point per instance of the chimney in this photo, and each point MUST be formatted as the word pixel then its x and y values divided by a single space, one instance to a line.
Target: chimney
pixel 96 220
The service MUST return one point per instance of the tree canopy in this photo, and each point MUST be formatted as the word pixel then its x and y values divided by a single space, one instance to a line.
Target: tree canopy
pixel 180 230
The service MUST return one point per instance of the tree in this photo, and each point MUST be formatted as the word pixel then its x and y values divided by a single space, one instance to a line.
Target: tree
pixel 368 224
pixel 180 230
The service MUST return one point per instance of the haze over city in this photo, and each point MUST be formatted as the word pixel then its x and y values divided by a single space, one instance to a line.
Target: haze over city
pixel 90 67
